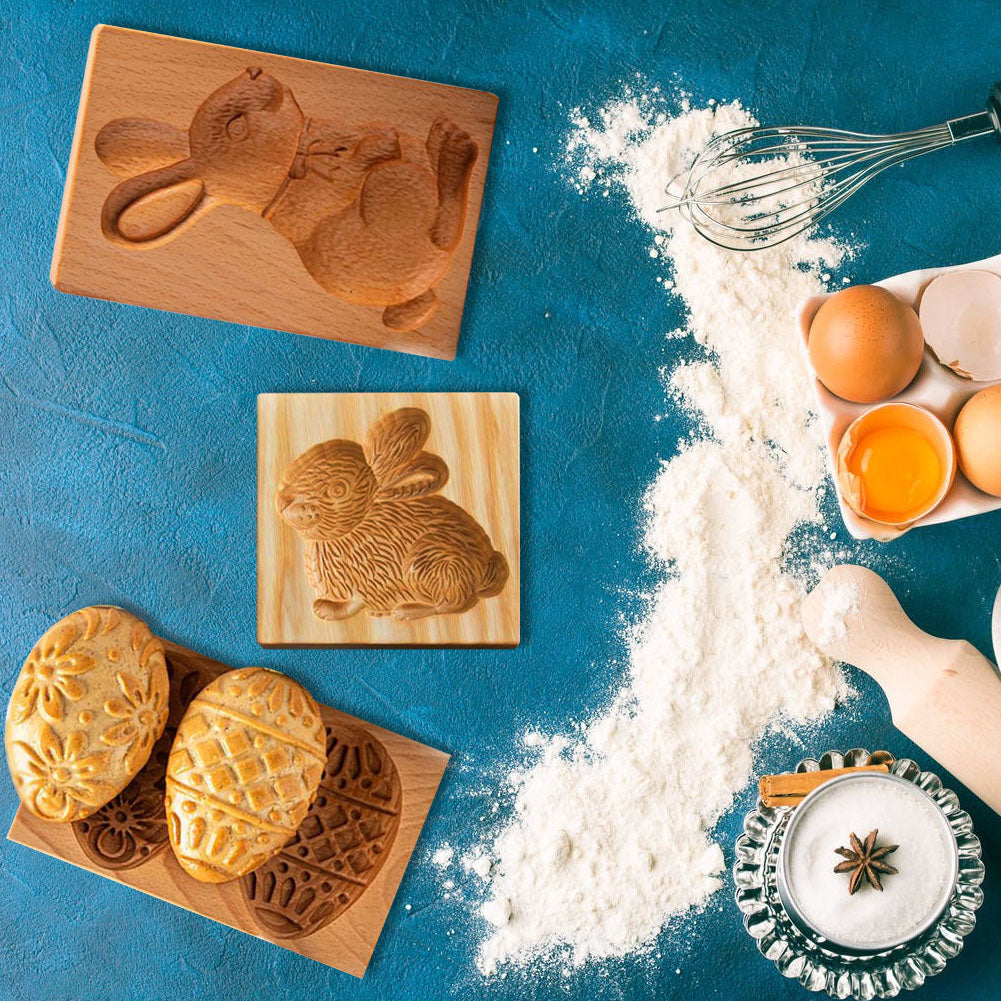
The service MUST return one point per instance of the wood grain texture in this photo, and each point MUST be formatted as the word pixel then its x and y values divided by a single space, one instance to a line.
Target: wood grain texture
pixel 335 202
pixel 343 937
pixel 361 589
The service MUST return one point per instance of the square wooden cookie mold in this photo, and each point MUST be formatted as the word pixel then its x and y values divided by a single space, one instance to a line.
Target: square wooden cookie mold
pixel 388 519
pixel 935 387
pixel 326 895
pixel 272 191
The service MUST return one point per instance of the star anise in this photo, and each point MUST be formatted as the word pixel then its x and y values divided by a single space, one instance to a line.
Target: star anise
pixel 865 861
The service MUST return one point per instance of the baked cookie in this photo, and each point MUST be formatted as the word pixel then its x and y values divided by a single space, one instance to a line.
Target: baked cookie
pixel 86 710
pixel 131 829
pixel 244 768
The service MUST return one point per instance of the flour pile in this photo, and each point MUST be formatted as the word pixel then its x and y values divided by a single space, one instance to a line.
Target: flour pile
pixel 611 832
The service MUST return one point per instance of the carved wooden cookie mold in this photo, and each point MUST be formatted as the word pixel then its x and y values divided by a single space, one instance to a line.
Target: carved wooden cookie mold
pixel 358 541
pixel 380 538
pixel 327 893
pixel 340 846
pixel 365 189
pixel 373 214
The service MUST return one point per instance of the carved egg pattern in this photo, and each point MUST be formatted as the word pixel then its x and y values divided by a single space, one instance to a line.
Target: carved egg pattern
pixel 86 710
pixel 132 828
pixel 243 770
pixel 340 846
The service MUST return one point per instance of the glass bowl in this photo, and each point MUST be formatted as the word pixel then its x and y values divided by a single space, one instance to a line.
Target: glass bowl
pixel 811 960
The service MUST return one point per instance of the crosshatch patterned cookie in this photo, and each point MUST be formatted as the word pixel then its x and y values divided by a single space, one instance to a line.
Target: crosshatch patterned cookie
pixel 244 768
pixel 86 710
pixel 340 846
pixel 132 828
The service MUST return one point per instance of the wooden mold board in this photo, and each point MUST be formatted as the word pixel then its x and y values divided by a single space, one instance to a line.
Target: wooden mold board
pixel 337 202
pixel 398 547
pixel 127 840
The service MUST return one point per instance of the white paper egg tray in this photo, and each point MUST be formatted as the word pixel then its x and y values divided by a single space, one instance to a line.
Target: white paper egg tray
pixel 935 387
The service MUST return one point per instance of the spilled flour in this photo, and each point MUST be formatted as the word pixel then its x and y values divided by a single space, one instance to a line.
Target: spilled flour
pixel 611 833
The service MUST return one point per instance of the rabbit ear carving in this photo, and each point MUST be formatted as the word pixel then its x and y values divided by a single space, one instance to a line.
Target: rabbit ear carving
pixel 424 474
pixel 393 450
pixel 130 146
pixel 154 204
pixel 393 440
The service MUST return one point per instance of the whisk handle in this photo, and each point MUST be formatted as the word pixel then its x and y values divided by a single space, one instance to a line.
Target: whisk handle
pixel 994 106
pixel 981 123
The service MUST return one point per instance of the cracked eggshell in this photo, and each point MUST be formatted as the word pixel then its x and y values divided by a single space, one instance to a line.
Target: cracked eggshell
pixel 960 314
pixel 901 415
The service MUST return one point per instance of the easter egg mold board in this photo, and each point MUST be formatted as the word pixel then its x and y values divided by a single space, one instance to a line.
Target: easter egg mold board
pixel 272 191
pixel 327 893
pixel 388 519
pixel 935 387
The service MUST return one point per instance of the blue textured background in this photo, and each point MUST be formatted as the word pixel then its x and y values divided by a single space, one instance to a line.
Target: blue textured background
pixel 127 442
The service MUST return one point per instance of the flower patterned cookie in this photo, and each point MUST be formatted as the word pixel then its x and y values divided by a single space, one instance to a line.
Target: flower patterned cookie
pixel 86 710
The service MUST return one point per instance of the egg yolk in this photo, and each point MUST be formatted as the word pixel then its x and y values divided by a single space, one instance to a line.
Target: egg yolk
pixel 899 472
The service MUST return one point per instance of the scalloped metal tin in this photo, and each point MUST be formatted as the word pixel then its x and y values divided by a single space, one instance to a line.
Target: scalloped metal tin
pixel 813 962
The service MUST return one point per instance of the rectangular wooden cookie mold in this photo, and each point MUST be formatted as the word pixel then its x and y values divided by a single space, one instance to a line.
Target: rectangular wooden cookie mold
pixel 273 191
pixel 388 519
pixel 326 895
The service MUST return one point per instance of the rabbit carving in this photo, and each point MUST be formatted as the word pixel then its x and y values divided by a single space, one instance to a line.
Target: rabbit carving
pixel 379 536
pixel 373 213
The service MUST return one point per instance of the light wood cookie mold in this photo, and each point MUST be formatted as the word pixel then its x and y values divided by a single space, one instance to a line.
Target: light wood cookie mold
pixel 388 519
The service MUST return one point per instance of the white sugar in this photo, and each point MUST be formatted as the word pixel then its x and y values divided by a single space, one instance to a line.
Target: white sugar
pixel 904 815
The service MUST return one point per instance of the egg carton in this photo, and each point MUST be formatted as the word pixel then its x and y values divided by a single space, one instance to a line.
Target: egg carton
pixel 935 387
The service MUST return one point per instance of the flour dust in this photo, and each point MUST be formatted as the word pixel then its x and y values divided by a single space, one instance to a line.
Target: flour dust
pixel 610 835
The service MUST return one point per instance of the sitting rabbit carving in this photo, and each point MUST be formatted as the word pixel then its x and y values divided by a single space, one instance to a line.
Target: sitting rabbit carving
pixel 374 214
pixel 379 537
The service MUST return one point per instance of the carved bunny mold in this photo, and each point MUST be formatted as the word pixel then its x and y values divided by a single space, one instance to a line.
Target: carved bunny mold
pixel 374 214
pixel 379 537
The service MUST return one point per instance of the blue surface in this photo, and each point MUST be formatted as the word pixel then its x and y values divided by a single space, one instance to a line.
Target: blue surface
pixel 127 442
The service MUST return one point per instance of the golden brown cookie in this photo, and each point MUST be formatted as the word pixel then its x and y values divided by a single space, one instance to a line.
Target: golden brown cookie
pixel 131 829
pixel 86 710
pixel 244 768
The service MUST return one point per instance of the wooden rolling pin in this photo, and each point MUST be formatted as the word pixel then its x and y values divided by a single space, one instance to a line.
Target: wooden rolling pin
pixel 943 694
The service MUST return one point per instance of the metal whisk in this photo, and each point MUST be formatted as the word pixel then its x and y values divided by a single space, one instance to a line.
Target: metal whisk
pixel 757 187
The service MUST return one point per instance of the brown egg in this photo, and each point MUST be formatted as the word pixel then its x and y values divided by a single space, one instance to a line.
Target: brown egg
pixel 978 440
pixel 865 344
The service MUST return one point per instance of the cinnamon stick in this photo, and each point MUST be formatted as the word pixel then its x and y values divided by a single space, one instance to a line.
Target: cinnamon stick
pixel 789 789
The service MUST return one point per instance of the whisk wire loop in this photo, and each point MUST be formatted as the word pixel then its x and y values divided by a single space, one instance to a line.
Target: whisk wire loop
pixel 755 187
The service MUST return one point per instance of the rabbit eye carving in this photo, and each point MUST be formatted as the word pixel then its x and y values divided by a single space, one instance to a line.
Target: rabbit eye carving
pixel 337 490
pixel 237 128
